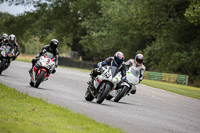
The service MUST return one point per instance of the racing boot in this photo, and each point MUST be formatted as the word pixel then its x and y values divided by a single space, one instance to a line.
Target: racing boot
pixel 30 71
pixel 133 91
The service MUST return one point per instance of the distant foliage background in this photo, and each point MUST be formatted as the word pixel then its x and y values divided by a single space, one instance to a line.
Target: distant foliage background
pixel 167 32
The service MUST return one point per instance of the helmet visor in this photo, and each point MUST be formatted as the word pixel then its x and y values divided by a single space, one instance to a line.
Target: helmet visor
pixel 119 61
pixel 139 60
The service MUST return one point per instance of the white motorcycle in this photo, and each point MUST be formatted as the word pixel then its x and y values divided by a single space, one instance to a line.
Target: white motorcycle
pixel 133 74
pixel 100 87
pixel 46 66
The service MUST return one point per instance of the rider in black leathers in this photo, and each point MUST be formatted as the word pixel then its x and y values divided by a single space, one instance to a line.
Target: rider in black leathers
pixel 4 39
pixel 52 48
pixel 117 60
pixel 12 42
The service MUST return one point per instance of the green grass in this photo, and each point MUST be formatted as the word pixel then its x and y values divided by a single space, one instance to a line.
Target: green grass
pixel 20 113
pixel 24 60
pixel 189 91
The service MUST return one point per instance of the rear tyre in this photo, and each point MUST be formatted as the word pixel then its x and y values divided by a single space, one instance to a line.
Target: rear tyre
pixel 121 94
pixel 88 95
pixel 103 93
pixel 40 79
pixel 2 66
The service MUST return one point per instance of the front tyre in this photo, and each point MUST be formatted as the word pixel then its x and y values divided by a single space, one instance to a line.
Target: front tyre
pixel 88 95
pixel 40 78
pixel 2 66
pixel 121 94
pixel 102 95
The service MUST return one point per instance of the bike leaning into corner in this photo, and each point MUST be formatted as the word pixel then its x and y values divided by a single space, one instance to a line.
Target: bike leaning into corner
pixel 100 86
pixel 6 56
pixel 133 78
pixel 45 66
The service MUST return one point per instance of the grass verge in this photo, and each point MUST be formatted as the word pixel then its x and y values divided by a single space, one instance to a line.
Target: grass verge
pixel 25 58
pixel 21 113
pixel 189 91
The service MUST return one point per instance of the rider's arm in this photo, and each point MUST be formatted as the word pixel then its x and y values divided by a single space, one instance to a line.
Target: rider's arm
pixel 105 62
pixel 57 56
pixel 129 63
pixel 142 70
pixel 123 72
pixel 17 49
pixel 43 50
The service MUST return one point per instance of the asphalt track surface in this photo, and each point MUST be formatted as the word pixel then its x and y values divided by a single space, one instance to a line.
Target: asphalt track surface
pixel 150 110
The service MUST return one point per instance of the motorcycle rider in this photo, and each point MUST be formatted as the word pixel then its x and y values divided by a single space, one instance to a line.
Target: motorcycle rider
pixel 12 43
pixel 137 62
pixel 4 39
pixel 52 48
pixel 117 61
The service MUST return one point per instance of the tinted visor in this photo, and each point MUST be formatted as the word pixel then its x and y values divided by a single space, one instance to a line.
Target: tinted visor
pixel 119 61
pixel 53 46
pixel 139 60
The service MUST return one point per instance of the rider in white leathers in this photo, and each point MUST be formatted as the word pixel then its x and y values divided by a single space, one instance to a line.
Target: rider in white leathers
pixel 137 62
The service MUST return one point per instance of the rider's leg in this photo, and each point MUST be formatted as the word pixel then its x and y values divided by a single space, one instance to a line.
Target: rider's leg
pixel 33 64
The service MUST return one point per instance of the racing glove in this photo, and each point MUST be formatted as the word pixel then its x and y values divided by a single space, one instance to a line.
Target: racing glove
pixel 124 79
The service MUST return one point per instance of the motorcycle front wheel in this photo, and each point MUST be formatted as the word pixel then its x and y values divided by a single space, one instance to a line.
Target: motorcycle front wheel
pixel 121 94
pixel 2 66
pixel 102 95
pixel 40 78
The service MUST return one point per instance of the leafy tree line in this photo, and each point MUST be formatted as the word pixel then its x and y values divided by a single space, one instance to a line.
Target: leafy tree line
pixel 167 32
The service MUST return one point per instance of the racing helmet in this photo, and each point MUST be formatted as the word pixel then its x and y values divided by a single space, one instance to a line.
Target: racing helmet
pixel 54 44
pixel 139 58
pixel 12 39
pixel 4 36
pixel 119 58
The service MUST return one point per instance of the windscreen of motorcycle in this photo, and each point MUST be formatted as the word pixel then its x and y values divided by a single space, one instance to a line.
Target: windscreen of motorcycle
pixel 49 55
pixel 135 71
pixel 114 70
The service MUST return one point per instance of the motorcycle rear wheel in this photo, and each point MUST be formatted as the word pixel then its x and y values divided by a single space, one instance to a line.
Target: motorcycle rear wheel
pixel 121 94
pixel 104 93
pixel 88 95
pixel 40 78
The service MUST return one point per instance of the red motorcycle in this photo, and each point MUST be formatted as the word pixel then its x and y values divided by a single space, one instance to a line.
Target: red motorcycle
pixel 46 65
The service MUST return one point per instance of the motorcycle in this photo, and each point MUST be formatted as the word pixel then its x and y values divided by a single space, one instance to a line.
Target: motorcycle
pixel 100 86
pixel 46 66
pixel 133 74
pixel 7 54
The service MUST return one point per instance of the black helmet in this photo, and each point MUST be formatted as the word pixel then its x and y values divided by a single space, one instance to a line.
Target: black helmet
pixel 11 39
pixel 119 58
pixel 4 36
pixel 54 44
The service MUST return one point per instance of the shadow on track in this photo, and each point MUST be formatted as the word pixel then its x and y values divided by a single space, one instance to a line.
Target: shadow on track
pixel 125 103
pixel 93 102
pixel 39 88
